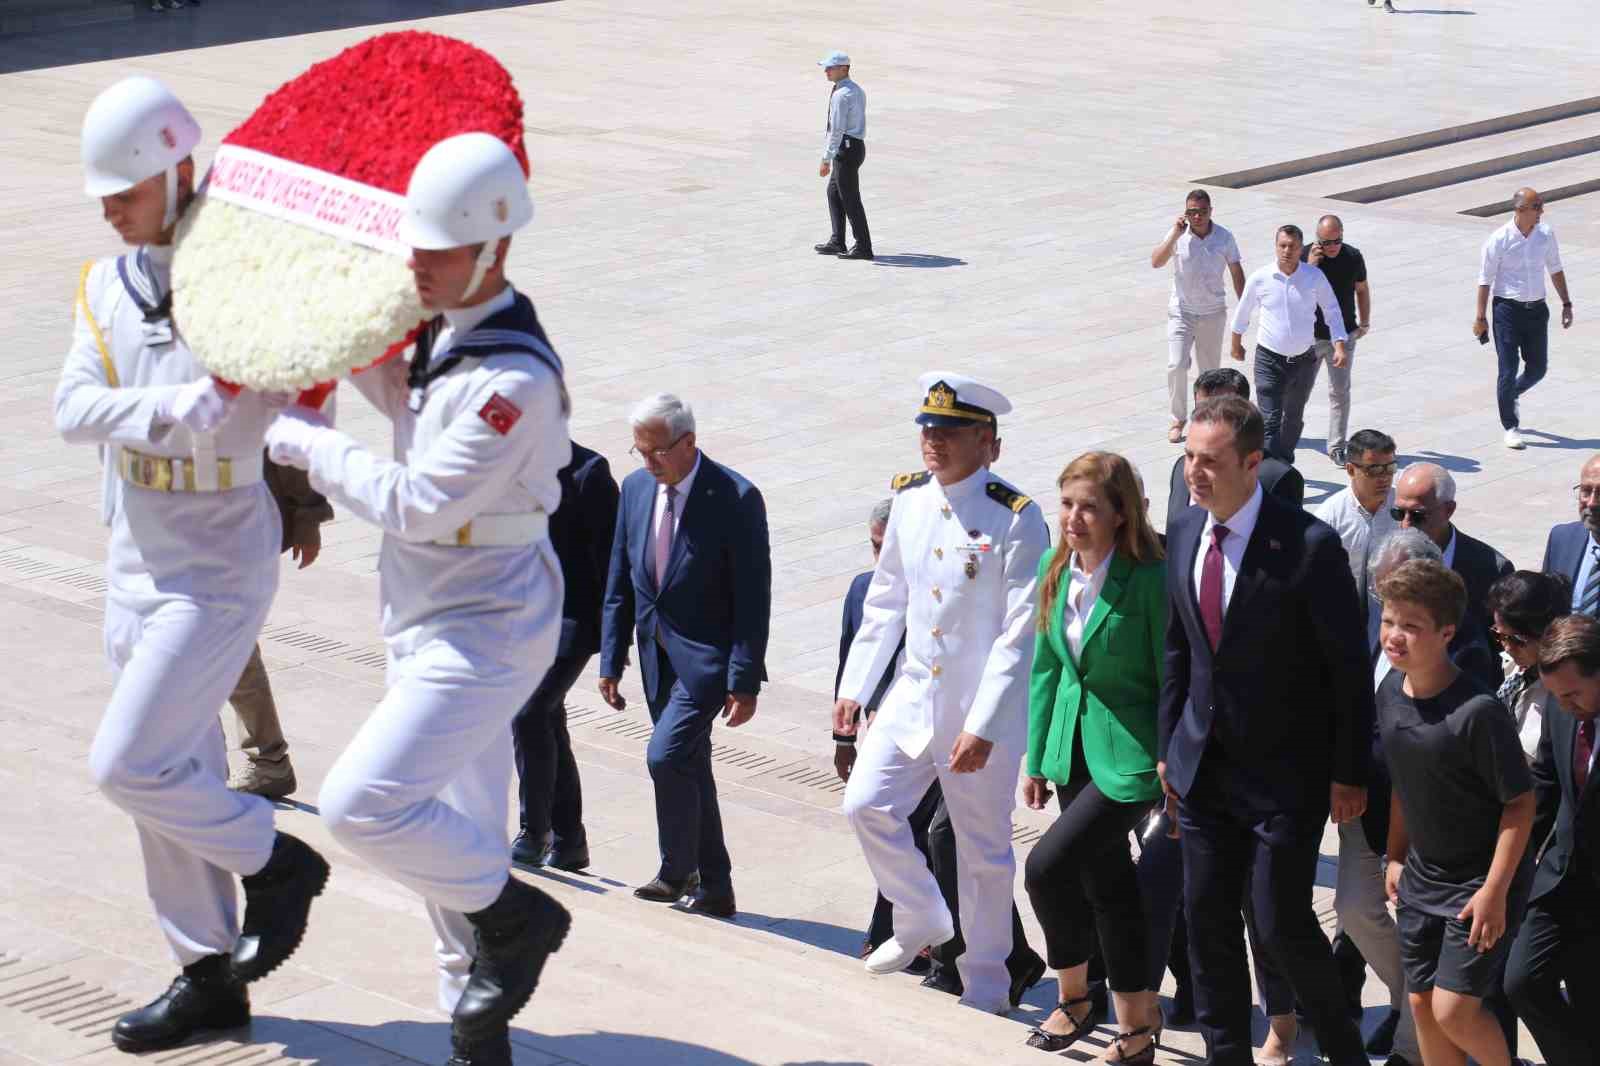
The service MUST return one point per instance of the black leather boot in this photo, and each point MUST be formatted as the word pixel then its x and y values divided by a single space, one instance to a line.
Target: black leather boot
pixel 515 935
pixel 277 903
pixel 493 1050
pixel 203 996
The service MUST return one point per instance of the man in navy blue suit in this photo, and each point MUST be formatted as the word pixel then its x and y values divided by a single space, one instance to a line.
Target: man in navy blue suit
pixel 691 574
pixel 1559 940
pixel 551 796
pixel 1265 726
pixel 1574 547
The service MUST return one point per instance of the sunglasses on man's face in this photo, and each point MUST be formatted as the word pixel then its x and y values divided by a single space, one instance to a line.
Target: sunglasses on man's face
pixel 1334 243
pixel 1509 640
pixel 1418 515
pixel 1378 469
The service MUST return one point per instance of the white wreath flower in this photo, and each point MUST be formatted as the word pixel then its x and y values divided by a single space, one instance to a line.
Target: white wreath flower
pixel 272 305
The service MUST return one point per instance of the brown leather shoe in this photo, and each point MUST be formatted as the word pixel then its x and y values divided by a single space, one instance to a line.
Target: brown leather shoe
pixel 661 890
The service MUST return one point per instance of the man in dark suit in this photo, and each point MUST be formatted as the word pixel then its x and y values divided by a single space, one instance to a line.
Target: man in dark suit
pixel 1263 620
pixel 1559 940
pixel 1574 547
pixel 691 573
pixel 550 794
pixel 1425 498
pixel 1277 477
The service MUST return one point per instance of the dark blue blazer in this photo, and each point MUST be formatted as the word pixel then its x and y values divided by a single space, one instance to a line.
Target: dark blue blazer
pixel 580 532
pixel 1473 649
pixel 1567 824
pixel 714 605
pixel 855 602
pixel 1563 552
pixel 1285 703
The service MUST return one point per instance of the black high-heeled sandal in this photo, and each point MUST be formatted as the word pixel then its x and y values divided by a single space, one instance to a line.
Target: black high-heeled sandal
pixel 1045 1041
pixel 1146 1056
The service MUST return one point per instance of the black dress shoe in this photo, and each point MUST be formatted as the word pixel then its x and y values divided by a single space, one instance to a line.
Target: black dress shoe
pixel 1025 979
pixel 920 965
pixel 944 979
pixel 568 857
pixel 204 996
pixel 528 851
pixel 663 891
pixel 715 904
pixel 277 903
pixel 858 252
pixel 492 1050
pixel 1381 1042
pixel 515 935
pixel 1182 1011
pixel 830 247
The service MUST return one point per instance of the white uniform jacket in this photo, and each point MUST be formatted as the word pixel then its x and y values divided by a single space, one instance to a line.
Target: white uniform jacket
pixel 484 437
pixel 212 547
pixel 957 575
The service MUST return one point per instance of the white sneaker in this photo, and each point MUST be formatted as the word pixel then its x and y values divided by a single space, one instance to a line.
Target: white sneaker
pixel 265 778
pixel 894 954
pixel 1514 438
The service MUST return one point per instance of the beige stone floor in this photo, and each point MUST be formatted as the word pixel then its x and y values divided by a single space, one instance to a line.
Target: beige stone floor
pixel 1024 158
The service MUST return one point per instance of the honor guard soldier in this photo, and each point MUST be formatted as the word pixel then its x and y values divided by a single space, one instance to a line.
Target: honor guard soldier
pixel 957 576
pixel 470 586
pixel 191 570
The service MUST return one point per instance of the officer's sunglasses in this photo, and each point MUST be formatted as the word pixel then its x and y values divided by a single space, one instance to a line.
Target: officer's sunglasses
pixel 1418 515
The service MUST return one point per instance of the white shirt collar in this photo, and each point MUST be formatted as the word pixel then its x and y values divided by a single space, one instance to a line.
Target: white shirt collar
pixel 966 486
pixel 1242 523
pixel 464 319
pixel 1097 579
pixel 686 484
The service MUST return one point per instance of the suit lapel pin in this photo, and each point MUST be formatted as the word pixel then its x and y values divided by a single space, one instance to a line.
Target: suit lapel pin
pixel 1274 545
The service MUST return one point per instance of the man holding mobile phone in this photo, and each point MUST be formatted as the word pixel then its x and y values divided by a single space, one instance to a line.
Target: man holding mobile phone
pixel 1346 271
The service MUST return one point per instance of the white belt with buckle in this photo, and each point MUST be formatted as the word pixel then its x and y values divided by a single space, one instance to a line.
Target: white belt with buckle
pixel 178 474
pixel 499 531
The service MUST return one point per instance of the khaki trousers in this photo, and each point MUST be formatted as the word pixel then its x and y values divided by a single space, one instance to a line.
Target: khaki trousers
pixel 260 734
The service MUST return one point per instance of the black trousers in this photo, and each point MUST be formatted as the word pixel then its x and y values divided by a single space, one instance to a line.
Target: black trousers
pixel 549 792
pixel 1559 943
pixel 1228 848
pixel 1082 882
pixel 844 192
pixel 688 817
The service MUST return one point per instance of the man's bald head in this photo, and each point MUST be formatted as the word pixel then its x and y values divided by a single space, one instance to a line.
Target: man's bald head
pixel 1523 197
pixel 1329 228
pixel 1426 494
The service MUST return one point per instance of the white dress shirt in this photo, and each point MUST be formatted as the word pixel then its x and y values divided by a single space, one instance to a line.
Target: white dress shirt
pixel 1591 550
pixel 1199 269
pixel 1083 590
pixel 1289 304
pixel 1514 265
pixel 683 488
pixel 1361 532
pixel 847 116
pixel 1240 526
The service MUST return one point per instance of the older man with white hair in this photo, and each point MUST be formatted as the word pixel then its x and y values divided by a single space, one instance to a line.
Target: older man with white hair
pixel 691 575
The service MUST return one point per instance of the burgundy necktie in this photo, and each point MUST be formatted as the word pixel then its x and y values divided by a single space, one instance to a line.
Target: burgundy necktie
pixel 664 535
pixel 1211 586
pixel 1582 754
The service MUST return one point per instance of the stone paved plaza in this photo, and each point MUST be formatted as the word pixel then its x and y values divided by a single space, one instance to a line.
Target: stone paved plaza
pixel 1024 158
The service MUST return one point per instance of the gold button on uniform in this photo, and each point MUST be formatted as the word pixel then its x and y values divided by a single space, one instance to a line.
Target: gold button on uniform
pixel 936 631
pixel 936 670
pixel 935 592
pixel 938 553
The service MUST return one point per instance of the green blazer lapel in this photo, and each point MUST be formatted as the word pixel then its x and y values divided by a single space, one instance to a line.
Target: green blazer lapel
pixel 1110 596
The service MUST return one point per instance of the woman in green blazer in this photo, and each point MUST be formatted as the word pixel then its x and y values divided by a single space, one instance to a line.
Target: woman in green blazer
pixel 1092 731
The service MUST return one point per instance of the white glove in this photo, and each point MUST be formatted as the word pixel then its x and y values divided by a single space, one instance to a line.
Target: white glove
pixel 200 406
pixel 292 434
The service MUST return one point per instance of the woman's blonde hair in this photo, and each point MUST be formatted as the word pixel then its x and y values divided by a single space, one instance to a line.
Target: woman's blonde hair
pixel 1136 538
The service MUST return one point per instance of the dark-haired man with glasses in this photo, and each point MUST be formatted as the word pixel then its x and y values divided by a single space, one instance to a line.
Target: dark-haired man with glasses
pixel 1515 258
pixel 1425 499
pixel 1573 549
pixel 1359 513
pixel 1200 252
pixel 1346 270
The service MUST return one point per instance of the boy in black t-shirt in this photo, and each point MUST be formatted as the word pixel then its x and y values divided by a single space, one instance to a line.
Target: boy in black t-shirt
pixel 1462 814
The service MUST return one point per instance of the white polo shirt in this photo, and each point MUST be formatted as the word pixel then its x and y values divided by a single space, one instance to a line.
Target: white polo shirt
pixel 1199 270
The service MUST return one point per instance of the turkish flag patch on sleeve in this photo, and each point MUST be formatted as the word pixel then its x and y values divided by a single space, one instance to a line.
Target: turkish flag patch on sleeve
pixel 500 413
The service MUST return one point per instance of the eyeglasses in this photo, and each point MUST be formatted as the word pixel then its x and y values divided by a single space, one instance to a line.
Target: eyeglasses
pixel 1418 515
pixel 1196 212
pixel 657 454
pixel 1509 640
pixel 1586 492
pixel 1378 469
pixel 1330 244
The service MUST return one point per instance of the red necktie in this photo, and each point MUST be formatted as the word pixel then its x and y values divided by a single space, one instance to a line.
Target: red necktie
pixel 1211 586
pixel 1582 753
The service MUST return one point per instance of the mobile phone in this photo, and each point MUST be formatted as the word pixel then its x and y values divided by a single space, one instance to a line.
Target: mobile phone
pixel 1483 338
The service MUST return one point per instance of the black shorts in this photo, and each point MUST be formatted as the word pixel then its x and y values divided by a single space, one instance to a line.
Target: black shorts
pixel 1435 952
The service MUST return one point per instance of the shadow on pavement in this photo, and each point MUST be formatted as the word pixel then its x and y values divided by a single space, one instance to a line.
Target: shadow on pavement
pixel 216 22
pixel 922 261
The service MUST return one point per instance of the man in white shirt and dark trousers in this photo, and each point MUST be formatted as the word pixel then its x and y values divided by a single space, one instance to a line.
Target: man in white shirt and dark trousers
pixel 1200 251
pixel 1515 258
pixel 842 156
pixel 1289 293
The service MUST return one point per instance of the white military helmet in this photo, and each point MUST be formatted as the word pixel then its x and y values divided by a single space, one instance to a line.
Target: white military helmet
pixel 466 189
pixel 135 130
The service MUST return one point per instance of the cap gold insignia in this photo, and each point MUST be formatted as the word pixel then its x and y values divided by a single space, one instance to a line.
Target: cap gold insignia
pixel 942 395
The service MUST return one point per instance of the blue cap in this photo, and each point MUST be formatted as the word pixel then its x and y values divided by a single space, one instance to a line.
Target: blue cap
pixel 834 58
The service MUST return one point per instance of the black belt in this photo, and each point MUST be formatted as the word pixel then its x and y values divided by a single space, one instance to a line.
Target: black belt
pixel 1288 358
pixel 1526 305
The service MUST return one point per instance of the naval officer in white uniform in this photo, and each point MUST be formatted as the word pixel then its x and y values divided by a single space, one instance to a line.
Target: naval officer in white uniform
pixel 190 571
pixel 470 587
pixel 956 577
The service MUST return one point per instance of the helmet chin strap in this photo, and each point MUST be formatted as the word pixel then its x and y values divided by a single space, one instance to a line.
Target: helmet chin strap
pixel 481 267
pixel 170 216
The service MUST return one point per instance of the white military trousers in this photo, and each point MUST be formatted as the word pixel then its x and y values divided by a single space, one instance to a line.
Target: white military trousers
pixel 885 786
pixel 423 791
pixel 159 754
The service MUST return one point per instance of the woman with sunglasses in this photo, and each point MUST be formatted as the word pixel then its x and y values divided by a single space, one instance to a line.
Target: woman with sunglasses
pixel 1523 605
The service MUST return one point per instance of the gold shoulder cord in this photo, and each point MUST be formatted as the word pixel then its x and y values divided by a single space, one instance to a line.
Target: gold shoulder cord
pixel 94 327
